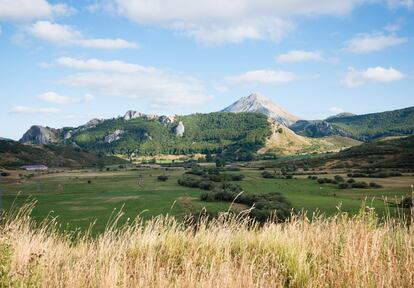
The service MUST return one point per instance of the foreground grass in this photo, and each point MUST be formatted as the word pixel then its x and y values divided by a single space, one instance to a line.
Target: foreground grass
pixel 339 251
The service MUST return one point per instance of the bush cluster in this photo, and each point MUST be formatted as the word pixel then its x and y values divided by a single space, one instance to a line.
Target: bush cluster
pixel 162 178
pixel 274 175
pixel 265 205
pixel 374 174
pixel 219 189
pixel 348 184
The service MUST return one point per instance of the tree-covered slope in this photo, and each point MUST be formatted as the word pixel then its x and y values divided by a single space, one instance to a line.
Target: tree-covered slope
pixel 360 127
pixel 376 125
pixel 203 133
pixel 15 154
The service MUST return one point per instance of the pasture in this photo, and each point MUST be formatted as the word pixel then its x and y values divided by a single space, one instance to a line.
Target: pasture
pixel 81 197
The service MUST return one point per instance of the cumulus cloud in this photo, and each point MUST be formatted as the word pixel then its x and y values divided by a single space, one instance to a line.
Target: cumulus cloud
pixel 366 43
pixel 100 65
pixel 66 35
pixel 299 56
pixel 355 78
pixel 33 110
pixel 28 10
pixel 216 21
pixel 56 98
pixel 123 79
pixel 262 77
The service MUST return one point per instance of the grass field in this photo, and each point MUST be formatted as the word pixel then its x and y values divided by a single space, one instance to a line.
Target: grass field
pixel 339 251
pixel 78 203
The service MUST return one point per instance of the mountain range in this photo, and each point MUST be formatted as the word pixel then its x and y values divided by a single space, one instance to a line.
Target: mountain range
pixel 256 124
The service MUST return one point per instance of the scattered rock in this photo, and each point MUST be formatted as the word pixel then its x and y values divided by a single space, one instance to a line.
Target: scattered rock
pixel 116 135
pixel 180 129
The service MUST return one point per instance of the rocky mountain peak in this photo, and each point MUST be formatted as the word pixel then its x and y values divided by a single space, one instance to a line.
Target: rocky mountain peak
pixel 39 135
pixel 256 102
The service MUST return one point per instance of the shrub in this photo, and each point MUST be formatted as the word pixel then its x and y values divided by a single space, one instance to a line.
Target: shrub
pixel 351 180
pixel 343 185
pixel 162 178
pixel 268 174
pixel 339 178
pixel 206 185
pixel 374 185
pixel 361 185
pixel 407 202
pixel 322 180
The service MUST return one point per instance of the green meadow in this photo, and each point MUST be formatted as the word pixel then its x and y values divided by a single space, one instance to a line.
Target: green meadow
pixel 79 198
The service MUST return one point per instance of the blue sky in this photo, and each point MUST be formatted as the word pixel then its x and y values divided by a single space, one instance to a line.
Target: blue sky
pixel 65 62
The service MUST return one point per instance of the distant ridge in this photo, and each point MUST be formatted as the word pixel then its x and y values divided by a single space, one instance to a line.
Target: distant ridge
pixel 256 102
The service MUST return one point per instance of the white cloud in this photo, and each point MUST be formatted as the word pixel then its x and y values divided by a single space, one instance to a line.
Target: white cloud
pixel 299 56
pixel 262 77
pixel 100 65
pixel 232 21
pixel 33 110
pixel 366 43
pixel 122 79
pixel 53 97
pixel 335 110
pixel 394 4
pixel 65 35
pixel 27 10
pixel 356 78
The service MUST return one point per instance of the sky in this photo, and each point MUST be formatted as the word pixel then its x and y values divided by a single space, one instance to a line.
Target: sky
pixel 63 63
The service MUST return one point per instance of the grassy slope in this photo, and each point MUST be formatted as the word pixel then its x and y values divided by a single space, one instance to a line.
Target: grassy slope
pixel 15 154
pixel 284 141
pixel 386 153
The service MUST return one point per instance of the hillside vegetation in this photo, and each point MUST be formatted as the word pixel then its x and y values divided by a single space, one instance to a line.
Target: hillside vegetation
pixel 204 133
pixel 361 127
pixel 396 152
pixel 377 125
pixel 228 252
pixel 15 154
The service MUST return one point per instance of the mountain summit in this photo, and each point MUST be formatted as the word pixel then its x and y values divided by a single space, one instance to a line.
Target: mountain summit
pixel 258 103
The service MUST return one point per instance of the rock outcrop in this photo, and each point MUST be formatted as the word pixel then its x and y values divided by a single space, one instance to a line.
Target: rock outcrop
pixel 164 119
pixel 40 135
pixel 180 129
pixel 116 135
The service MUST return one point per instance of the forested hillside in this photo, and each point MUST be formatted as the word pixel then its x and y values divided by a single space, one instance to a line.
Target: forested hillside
pixel 203 133
pixel 376 125
pixel 15 154
pixel 361 127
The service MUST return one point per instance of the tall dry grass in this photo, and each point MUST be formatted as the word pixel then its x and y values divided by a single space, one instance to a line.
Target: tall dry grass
pixel 339 251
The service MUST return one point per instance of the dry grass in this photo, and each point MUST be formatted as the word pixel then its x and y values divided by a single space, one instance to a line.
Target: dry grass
pixel 228 252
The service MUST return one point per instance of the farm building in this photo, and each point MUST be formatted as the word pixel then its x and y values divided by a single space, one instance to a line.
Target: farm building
pixel 34 167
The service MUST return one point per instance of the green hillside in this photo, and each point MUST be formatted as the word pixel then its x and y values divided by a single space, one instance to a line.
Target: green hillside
pixel 15 154
pixel 361 127
pixel 382 153
pixel 377 125
pixel 204 133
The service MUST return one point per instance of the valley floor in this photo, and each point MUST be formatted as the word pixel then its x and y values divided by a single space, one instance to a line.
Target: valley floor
pixel 81 197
